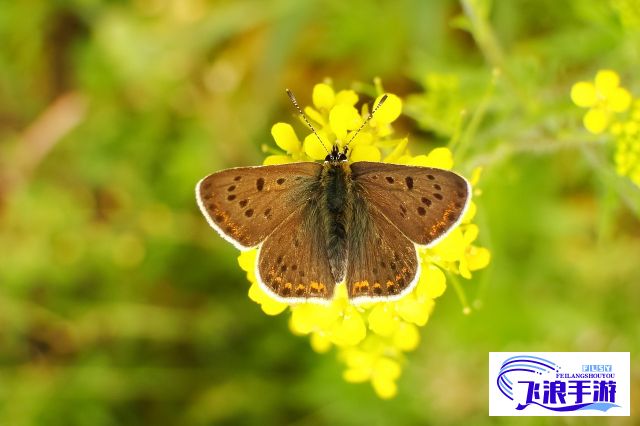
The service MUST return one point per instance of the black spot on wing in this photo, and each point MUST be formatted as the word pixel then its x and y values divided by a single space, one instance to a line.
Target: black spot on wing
pixel 409 181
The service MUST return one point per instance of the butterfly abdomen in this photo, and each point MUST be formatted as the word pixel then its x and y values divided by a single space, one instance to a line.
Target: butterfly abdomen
pixel 336 180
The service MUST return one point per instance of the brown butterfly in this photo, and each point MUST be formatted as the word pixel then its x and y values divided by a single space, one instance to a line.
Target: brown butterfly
pixel 317 225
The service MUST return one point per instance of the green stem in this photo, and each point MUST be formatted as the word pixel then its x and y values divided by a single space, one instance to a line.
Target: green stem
pixel 483 33
pixel 457 133
pixel 462 296
pixel 476 119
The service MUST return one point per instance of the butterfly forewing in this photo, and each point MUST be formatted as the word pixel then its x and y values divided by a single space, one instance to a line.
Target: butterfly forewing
pixel 246 204
pixel 293 263
pixel 383 263
pixel 424 203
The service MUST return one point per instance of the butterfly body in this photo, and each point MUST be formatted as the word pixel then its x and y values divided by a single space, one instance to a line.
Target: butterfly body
pixel 337 210
pixel 317 225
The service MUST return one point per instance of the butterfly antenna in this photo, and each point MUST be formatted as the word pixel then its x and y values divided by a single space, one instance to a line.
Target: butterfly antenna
pixel 373 111
pixel 304 117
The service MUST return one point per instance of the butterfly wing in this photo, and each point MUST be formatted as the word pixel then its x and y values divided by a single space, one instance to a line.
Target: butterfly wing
pixel 292 263
pixel 424 203
pixel 383 263
pixel 246 204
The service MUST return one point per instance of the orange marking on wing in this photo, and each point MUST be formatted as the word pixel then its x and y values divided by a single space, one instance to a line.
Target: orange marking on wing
pixel 360 287
pixel 318 288
pixel 231 228
pixel 286 289
pixel 443 223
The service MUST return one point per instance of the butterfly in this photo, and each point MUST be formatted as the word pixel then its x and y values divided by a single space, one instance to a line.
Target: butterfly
pixel 319 224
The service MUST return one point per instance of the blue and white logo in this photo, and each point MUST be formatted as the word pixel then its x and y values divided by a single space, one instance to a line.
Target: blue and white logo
pixel 559 384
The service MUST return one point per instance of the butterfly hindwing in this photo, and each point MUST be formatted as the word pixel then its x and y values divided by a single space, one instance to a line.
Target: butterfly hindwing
pixel 424 203
pixel 293 262
pixel 246 204
pixel 383 263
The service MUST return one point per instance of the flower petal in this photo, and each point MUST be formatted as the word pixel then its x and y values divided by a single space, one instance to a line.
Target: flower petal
pixel 385 372
pixel 308 317
pixel 406 337
pixel 386 367
pixel 432 282
pixel 269 305
pixel 619 100
pixel 583 94
pixel 382 320
pixel 418 160
pixel 350 330
pixel 478 258
pixel 356 375
pixel 313 148
pixel 313 115
pixel 596 120
pixel 247 260
pixel 346 97
pixel 471 212
pixel 362 138
pixel 277 159
pixel 362 152
pixel 441 158
pixel 399 147
pixel 451 247
pixel 273 307
pixel 390 110
pixel 413 310
pixel 323 96
pixel 606 80
pixel 343 118
pixel 285 137
pixel 471 233
pixel 463 268
pixel 355 358
pixel 384 387
pixel 320 343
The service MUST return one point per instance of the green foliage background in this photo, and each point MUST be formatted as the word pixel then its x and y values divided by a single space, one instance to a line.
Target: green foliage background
pixel 118 305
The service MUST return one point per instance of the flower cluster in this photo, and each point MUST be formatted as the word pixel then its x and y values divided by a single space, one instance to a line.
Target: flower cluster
pixel 371 338
pixel 627 134
pixel 612 108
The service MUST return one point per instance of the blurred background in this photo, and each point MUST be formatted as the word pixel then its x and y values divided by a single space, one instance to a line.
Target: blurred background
pixel 119 305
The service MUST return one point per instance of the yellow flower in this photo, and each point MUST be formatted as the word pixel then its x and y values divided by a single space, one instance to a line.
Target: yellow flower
pixel 371 366
pixel 604 98
pixel 627 154
pixel 269 305
pixel 286 139
pixel 339 323
pixel 474 258
pixel 606 101
pixel 336 118
pixel 370 339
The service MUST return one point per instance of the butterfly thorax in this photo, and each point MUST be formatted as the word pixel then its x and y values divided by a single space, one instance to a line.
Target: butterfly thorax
pixel 336 203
